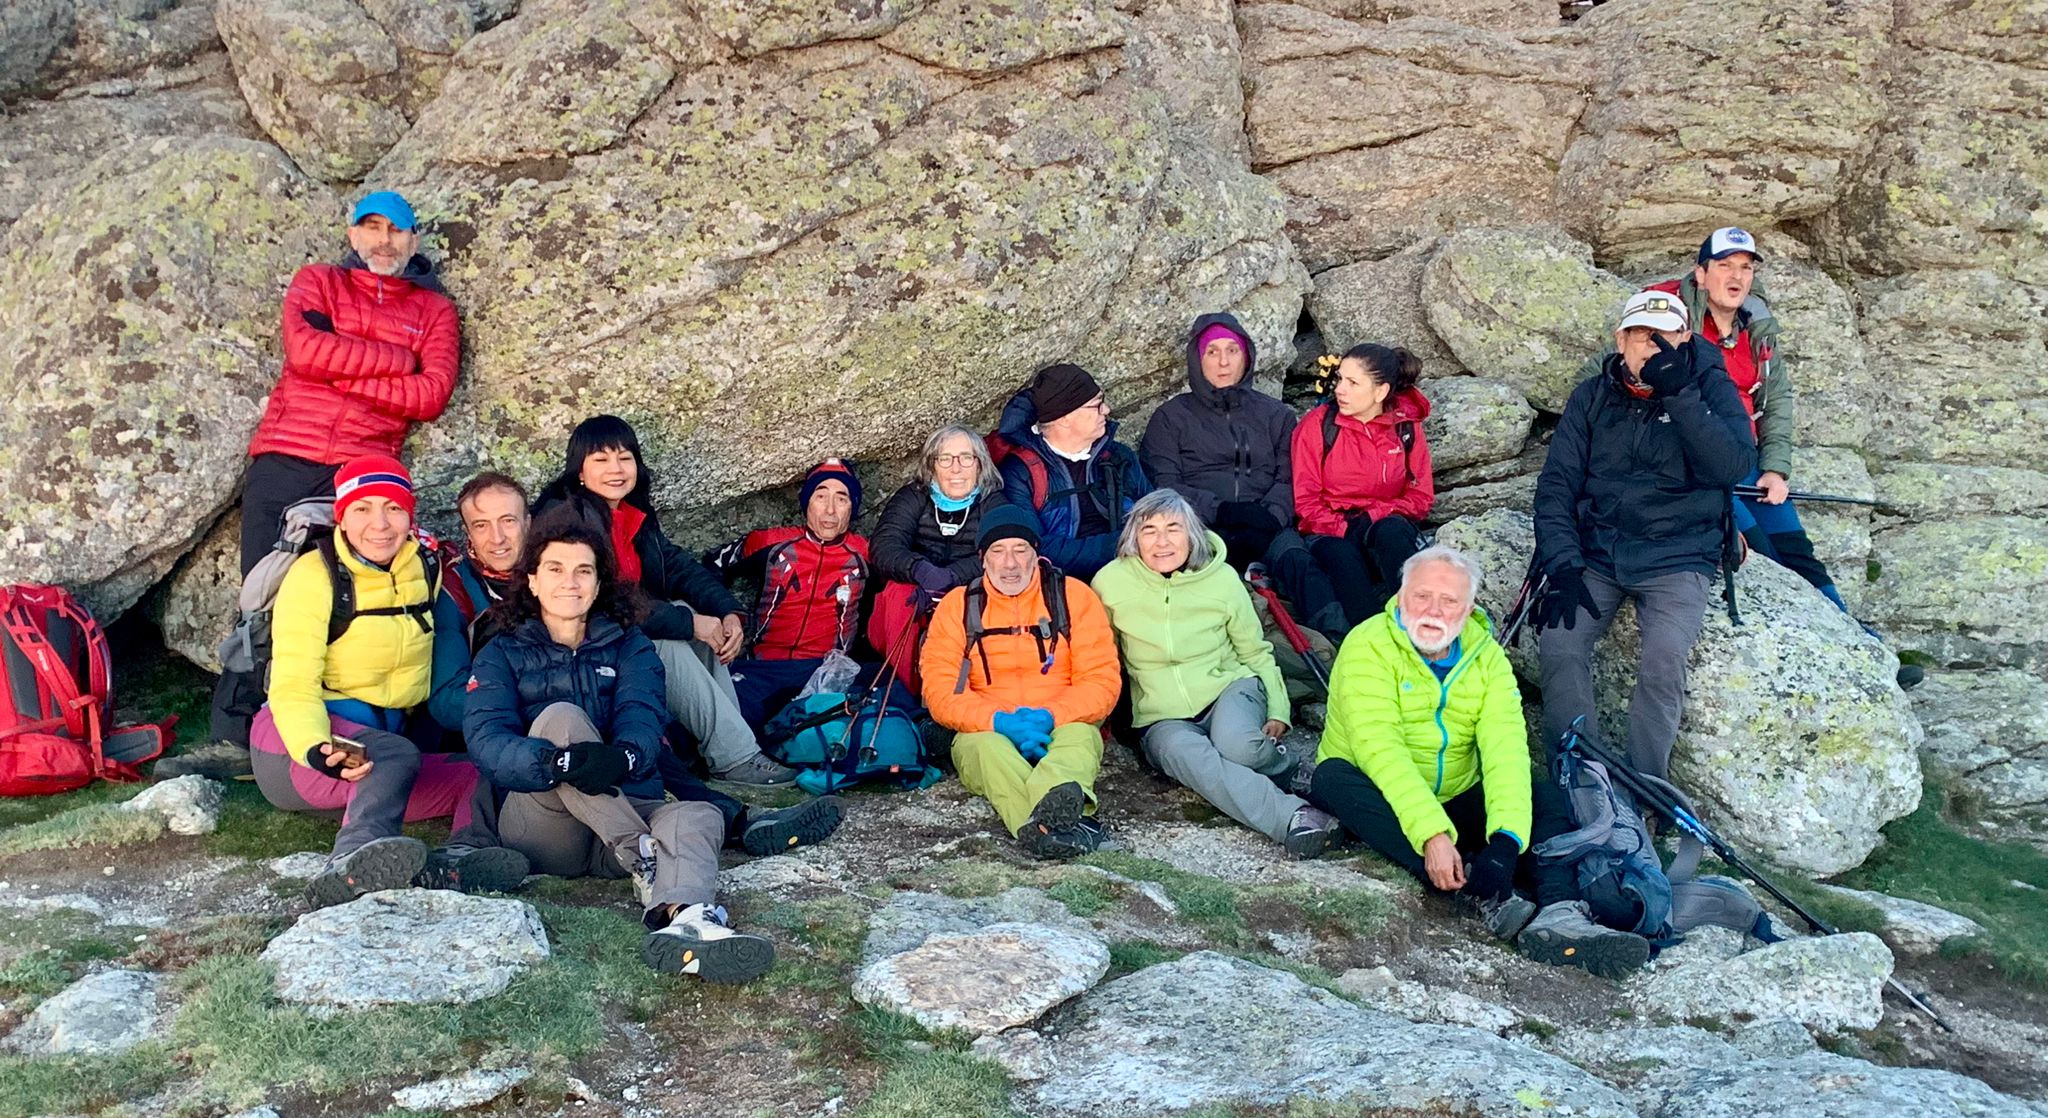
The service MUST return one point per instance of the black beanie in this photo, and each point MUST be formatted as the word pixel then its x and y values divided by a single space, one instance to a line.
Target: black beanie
pixel 1060 390
pixel 1005 522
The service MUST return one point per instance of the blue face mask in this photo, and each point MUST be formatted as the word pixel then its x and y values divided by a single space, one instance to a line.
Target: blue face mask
pixel 953 504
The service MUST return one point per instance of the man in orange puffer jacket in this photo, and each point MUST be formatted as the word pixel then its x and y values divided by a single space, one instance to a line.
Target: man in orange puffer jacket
pixel 1024 674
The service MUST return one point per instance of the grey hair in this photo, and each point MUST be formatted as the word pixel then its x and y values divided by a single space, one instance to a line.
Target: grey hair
pixel 1442 553
pixel 985 475
pixel 1167 503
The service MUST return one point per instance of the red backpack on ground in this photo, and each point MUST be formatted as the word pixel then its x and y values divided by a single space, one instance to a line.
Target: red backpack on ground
pixel 54 705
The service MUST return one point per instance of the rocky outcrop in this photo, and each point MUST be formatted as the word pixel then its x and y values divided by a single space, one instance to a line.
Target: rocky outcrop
pixel 1381 301
pixel 144 369
pixel 406 947
pixel 1825 982
pixel 1971 591
pixel 1474 421
pixel 1912 927
pixel 1795 738
pixel 1147 1043
pixel 1977 346
pixel 985 981
pixel 1383 132
pixel 195 606
pixel 1988 731
pixel 98 1015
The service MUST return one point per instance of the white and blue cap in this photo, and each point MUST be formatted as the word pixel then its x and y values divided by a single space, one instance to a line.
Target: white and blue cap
pixel 1658 310
pixel 387 204
pixel 1728 242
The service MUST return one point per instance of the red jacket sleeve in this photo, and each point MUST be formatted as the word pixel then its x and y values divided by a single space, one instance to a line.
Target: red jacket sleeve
pixel 1312 509
pixel 423 397
pixel 328 356
pixel 1415 500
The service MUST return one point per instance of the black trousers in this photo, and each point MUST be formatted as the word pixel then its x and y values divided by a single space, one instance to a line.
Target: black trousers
pixel 1364 578
pixel 1342 790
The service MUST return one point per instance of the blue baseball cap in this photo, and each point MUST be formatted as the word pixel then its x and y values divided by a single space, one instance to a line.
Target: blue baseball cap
pixel 1728 242
pixel 388 204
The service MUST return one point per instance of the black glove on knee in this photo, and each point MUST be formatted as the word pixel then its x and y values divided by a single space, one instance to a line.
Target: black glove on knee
pixel 1357 524
pixel 1563 598
pixel 590 767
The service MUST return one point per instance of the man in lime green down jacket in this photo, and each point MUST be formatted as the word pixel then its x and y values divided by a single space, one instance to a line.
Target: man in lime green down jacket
pixel 1425 758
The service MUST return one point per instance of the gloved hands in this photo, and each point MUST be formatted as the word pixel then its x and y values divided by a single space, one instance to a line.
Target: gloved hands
pixel 327 762
pixel 591 767
pixel 1562 599
pixel 1669 369
pixel 1493 872
pixel 1028 728
pixel 1356 525
pixel 931 578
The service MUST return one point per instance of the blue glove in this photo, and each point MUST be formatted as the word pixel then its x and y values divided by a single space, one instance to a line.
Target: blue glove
pixel 1041 720
pixel 1021 727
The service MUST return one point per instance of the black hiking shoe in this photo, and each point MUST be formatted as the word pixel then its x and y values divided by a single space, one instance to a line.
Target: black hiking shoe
pixel 1564 935
pixel 1505 916
pixel 697 940
pixel 385 863
pixel 807 824
pixel 473 869
pixel 1051 832
pixel 1309 833
pixel 220 760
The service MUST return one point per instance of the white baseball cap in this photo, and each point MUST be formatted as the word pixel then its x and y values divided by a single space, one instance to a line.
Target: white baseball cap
pixel 1728 242
pixel 1658 310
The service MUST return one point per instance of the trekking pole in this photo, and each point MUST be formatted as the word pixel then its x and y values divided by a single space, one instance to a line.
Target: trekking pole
pixel 1525 605
pixel 1255 575
pixel 1756 492
pixel 1660 796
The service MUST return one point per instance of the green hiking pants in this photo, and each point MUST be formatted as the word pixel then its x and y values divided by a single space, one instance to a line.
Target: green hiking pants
pixel 992 768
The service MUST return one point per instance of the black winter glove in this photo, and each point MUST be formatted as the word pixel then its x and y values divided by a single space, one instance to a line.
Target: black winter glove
pixel 1563 598
pixel 1493 872
pixel 1231 514
pixel 327 764
pixel 1259 520
pixel 1669 369
pixel 591 767
pixel 1356 526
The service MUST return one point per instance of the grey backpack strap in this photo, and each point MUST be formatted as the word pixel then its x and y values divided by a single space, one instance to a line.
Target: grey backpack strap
pixel 1686 864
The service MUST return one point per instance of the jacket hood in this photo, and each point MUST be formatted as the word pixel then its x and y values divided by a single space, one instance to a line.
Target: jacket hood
pixel 419 271
pixel 1020 414
pixel 1199 384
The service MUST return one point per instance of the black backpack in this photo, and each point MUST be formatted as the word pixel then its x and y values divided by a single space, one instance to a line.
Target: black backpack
pixel 1048 632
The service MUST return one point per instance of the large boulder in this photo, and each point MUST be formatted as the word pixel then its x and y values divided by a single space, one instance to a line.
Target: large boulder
pixel 1680 137
pixel 1988 731
pixel 1524 306
pixel 1912 927
pixel 1380 301
pixel 139 314
pixel 1152 1042
pixel 1977 349
pixel 196 606
pixel 336 82
pixel 1383 133
pixel 1942 491
pixel 31 31
pixel 857 242
pixel 1969 591
pixel 1795 738
pixel 1957 174
pixel 1823 352
pixel 1473 421
pixel 1822 982
pixel 98 1015
pixel 406 947
pixel 998 977
pixel 120 46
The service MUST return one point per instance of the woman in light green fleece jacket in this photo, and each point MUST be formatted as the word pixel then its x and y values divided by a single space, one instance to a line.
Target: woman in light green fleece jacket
pixel 1205 691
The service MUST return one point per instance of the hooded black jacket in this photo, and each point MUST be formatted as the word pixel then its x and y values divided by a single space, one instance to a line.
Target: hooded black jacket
pixel 1635 488
pixel 1213 445
pixel 909 531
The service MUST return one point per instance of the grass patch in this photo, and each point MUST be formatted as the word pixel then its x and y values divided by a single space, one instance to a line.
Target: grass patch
pixel 101 824
pixel 940 1085
pixel 235 934
pixel 968 879
pixel 1925 858
pixel 55 946
pixel 1204 901
pixel 82 1084
pixel 1307 972
pixel 1085 894
pixel 251 828
pixel 1128 955
pixel 1360 913
pixel 25 810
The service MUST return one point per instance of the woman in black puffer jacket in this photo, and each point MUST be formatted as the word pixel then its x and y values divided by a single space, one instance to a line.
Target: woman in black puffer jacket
pixel 924 544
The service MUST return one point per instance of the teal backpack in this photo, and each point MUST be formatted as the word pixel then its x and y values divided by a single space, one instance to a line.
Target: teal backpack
pixel 835 739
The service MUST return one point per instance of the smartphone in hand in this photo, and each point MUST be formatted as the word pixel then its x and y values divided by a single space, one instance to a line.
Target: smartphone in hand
pixel 353 748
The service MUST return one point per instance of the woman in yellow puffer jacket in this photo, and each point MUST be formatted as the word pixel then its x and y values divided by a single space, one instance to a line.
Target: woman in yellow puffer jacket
pixel 1205 691
pixel 329 739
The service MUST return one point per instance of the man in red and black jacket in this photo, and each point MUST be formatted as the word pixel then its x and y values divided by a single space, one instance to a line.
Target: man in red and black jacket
pixel 813 578
pixel 371 346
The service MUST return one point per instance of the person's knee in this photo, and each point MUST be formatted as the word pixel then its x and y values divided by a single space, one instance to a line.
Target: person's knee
pixel 1333 777
pixel 1175 746
pixel 688 819
pixel 562 723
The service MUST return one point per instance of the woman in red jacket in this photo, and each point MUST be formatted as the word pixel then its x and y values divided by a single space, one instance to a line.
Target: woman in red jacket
pixel 1362 479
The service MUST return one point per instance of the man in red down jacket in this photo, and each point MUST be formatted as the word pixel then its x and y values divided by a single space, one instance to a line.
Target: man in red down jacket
pixel 370 347
pixel 813 578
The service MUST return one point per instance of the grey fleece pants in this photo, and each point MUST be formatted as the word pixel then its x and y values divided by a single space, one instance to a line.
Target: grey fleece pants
pixel 702 699
pixel 1670 609
pixel 568 833
pixel 1226 757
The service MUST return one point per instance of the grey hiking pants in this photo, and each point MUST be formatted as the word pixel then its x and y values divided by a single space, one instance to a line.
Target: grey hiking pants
pixel 568 833
pixel 702 699
pixel 1226 758
pixel 1670 609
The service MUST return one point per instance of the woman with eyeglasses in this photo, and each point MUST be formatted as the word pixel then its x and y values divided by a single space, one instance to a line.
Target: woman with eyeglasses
pixel 924 544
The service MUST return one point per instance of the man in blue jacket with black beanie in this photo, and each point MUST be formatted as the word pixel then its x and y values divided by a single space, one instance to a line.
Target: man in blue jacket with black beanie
pixel 1633 502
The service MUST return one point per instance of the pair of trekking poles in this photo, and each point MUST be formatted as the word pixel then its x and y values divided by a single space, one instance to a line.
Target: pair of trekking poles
pixel 1647 791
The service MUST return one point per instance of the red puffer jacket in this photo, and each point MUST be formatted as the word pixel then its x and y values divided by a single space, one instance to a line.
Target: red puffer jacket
pixel 364 357
pixel 810 590
pixel 1367 470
